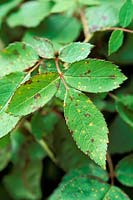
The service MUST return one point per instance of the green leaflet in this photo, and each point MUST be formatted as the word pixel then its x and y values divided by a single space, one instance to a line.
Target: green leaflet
pixel 75 51
pixel 124 171
pixel 7 123
pixel 17 57
pixel 102 16
pixel 77 185
pixel 126 13
pixel 115 193
pixel 124 106
pixel 87 125
pixel 33 94
pixel 24 181
pixel 93 75
pixel 37 9
pixel 78 188
pixel 8 85
pixel 115 41
pixel 43 47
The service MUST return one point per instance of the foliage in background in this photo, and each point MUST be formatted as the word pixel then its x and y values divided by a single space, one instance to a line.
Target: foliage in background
pixel 66 92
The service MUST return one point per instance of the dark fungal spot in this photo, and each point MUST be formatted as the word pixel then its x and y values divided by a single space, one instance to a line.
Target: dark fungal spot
pixel 112 76
pixel 24 46
pixel 87 72
pixel 28 82
pixel 70 98
pixel 37 96
pixel 76 104
pixel 16 52
pixel 92 140
pixel 87 115
pixel 71 131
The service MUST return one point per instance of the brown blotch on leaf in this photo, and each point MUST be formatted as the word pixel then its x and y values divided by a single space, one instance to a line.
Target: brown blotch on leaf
pixel 112 76
pixel 24 46
pixel 87 115
pixel 28 82
pixel 37 96
pixel 16 52
pixel 92 140
pixel 70 98
pixel 87 72
pixel 71 132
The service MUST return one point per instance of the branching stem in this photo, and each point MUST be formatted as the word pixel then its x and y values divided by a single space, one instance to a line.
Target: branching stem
pixel 60 73
pixel 119 28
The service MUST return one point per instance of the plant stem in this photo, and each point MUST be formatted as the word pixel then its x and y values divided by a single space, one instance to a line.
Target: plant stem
pixel 60 73
pixel 112 96
pixel 48 150
pixel 111 168
pixel 118 28
pixel 87 33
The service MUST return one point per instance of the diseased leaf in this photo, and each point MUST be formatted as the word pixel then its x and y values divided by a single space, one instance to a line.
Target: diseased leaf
pixel 93 75
pixel 16 57
pixel 87 126
pixel 43 47
pixel 115 193
pixel 78 188
pixel 7 123
pixel 30 14
pixel 126 13
pixel 120 133
pixel 102 16
pixel 8 85
pixel 75 52
pixel 115 41
pixel 124 171
pixel 124 106
pixel 24 181
pixel 80 184
pixel 33 94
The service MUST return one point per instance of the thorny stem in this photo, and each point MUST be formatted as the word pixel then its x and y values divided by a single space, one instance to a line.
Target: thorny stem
pixel 111 168
pixel 118 28
pixel 87 33
pixel 60 73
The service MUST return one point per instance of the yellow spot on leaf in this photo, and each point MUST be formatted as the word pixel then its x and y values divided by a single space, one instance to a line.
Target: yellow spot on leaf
pixel 91 124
